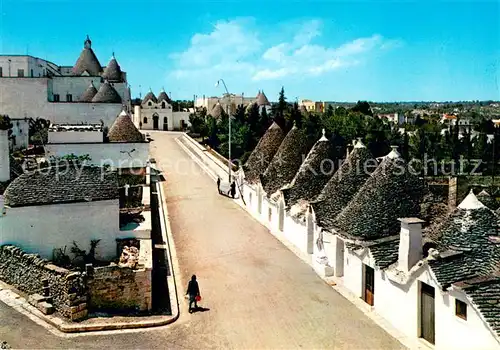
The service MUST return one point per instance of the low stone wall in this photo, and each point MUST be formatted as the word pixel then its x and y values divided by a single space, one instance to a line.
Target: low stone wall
pixel 122 288
pixel 27 272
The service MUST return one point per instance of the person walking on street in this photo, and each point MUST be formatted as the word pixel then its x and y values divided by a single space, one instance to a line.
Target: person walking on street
pixel 218 184
pixel 193 290
pixel 233 189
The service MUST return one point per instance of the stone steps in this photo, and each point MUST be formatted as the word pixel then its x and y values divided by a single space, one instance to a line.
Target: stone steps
pixel 42 303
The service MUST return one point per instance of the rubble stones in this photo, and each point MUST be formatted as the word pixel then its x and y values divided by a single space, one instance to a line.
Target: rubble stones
pixel 129 257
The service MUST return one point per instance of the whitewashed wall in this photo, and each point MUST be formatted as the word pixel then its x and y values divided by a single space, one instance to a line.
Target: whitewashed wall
pixel 114 154
pixel 75 136
pixel 40 229
pixel 400 305
pixel 21 98
pixel 173 119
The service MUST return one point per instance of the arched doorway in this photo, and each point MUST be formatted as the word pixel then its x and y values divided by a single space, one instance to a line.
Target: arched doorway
pixel 155 121
pixel 165 123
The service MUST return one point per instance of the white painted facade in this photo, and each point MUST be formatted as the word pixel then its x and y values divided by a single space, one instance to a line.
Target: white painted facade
pixel 40 229
pixel 115 154
pixel 75 136
pixel 20 134
pixel 396 302
pixel 4 156
pixel 157 117
pixel 29 98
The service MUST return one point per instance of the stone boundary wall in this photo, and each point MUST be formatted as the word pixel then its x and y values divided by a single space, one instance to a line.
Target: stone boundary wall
pixel 123 288
pixel 28 271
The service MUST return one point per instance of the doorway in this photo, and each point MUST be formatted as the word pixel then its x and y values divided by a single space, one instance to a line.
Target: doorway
pixel 155 121
pixel 281 215
pixel 427 316
pixel 369 290
pixel 165 124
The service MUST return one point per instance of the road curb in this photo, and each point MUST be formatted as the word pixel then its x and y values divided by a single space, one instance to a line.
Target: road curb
pixel 20 304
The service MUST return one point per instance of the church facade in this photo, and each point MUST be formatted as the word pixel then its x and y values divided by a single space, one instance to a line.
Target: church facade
pixel 32 87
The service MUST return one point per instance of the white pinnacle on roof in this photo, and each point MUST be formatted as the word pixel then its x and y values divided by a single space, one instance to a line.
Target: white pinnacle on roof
pixel 471 202
pixel 323 138
pixel 359 144
pixel 483 193
pixel 394 153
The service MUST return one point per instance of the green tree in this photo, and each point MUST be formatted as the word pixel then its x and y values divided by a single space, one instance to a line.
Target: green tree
pixel 362 107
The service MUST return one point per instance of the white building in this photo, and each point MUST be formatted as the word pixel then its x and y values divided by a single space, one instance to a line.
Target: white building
pixel 126 147
pixel 395 118
pixel 32 87
pixel 4 156
pixel 229 103
pixel 156 113
pixel 440 286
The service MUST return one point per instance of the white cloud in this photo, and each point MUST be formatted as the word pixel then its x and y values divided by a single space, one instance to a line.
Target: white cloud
pixel 233 48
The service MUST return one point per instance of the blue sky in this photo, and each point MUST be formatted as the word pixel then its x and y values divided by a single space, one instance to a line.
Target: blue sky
pixel 321 50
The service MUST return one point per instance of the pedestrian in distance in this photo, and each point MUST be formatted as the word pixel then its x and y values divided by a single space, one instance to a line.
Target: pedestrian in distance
pixel 218 184
pixel 193 291
pixel 233 189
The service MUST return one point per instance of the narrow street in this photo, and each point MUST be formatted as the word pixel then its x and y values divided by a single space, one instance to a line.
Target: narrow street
pixel 257 293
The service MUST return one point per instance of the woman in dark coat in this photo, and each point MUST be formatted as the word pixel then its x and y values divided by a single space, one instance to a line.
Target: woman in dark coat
pixel 193 290
pixel 233 189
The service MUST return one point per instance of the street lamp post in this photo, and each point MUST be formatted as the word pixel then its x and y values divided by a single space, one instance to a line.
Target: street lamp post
pixel 229 117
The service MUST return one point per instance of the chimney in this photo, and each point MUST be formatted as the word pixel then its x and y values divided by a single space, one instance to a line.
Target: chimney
pixel 410 243
pixel 4 156
pixel 350 147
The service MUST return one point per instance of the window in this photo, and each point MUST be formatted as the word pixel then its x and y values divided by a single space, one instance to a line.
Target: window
pixel 20 73
pixel 56 97
pixel 460 309
pixel 32 73
pixel 1 72
pixel 69 98
pixel 150 103
pixel 145 120
pixel 163 104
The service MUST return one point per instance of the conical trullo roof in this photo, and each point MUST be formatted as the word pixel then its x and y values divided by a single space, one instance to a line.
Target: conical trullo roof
pixel 263 153
pixel 88 94
pixel 107 94
pixel 314 173
pixel 286 162
pixel 467 230
pixel 150 96
pixel 87 62
pixel 393 191
pixel 113 72
pixel 164 97
pixel 124 130
pixel 344 185
pixel 217 111
pixel 262 99
pixel 485 198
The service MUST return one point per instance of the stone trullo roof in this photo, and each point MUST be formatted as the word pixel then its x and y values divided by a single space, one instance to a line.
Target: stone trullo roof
pixel 393 191
pixel 312 176
pixel 124 130
pixel 343 185
pixel 88 94
pixel 149 96
pixel 485 198
pixel 286 162
pixel 58 185
pixel 106 94
pixel 468 243
pixel 87 62
pixel 164 97
pixel 217 111
pixel 263 153
pixel 113 72
pixel 262 99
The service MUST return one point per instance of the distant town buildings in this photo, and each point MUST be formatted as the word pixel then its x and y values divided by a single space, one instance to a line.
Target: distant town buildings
pixel 32 87
pixel 216 106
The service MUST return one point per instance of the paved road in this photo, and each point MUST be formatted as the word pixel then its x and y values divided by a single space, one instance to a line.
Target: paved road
pixel 259 294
